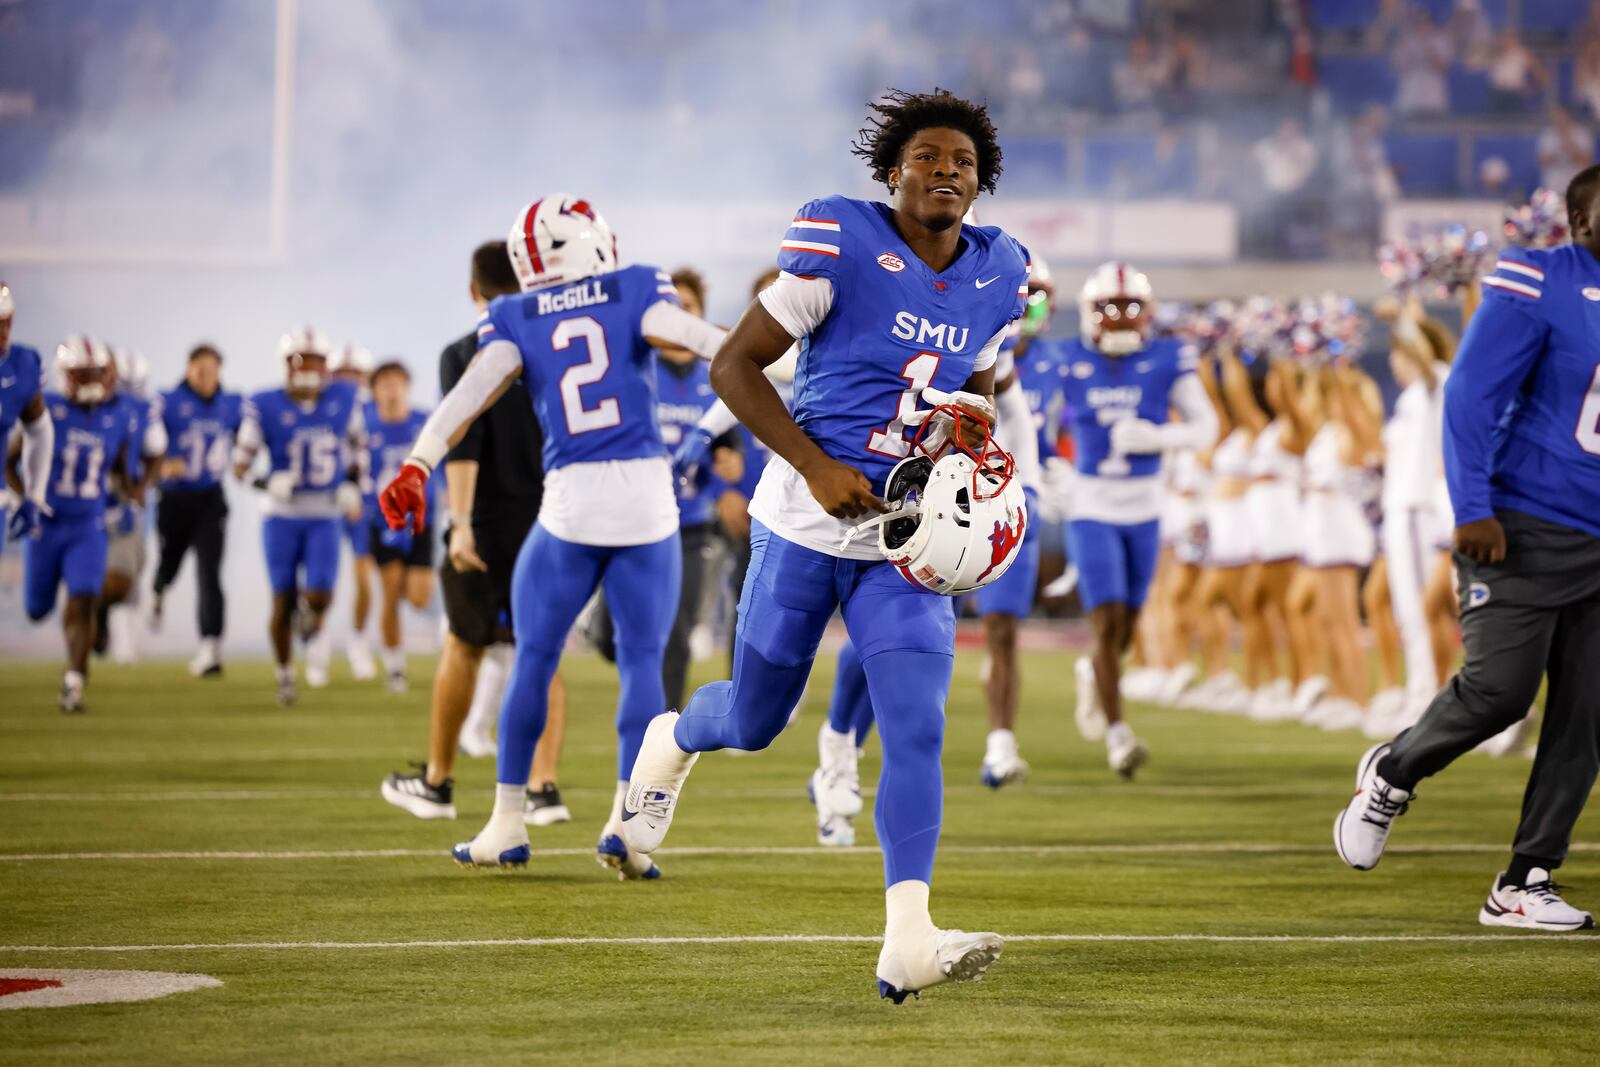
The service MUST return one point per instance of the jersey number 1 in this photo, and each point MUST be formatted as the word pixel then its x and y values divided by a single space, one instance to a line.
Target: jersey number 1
pixel 605 414
pixel 891 440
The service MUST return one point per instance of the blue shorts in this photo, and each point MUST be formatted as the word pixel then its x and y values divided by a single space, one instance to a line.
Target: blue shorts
pixel 70 550
pixel 293 544
pixel 359 533
pixel 1012 592
pixel 1115 563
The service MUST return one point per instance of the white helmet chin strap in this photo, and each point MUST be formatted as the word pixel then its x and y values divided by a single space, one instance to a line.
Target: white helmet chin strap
pixel 907 510
pixel 1120 342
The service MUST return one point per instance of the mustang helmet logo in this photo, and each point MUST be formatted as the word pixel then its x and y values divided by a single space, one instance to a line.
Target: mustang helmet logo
pixel 1004 542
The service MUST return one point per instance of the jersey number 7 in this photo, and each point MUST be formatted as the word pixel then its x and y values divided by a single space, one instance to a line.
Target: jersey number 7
pixel 605 414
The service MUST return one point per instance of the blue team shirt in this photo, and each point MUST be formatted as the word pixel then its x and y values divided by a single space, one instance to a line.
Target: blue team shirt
pixel 20 380
pixel 1522 402
pixel 388 444
pixel 90 440
pixel 683 394
pixel 310 443
pixel 586 363
pixel 1041 375
pixel 200 432
pixel 139 412
pixel 1103 390
pixel 895 328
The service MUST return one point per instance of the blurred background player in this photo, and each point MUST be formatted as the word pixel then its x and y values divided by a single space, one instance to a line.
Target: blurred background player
pixel 494 483
pixel 352 364
pixel 22 403
pixel 312 433
pixel 1522 453
pixel 888 300
pixel 581 335
pixel 93 443
pixel 126 530
pixel 202 421
pixel 1122 384
pixel 683 396
pixel 403 558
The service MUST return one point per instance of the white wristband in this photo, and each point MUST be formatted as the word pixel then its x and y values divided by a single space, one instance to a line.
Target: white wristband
pixel 429 450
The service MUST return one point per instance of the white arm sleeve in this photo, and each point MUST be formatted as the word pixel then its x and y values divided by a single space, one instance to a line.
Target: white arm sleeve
pixel 717 420
pixel 1199 426
pixel 799 304
pixel 670 323
pixel 155 438
pixel 1017 434
pixel 495 364
pixel 248 440
pixel 989 354
pixel 38 447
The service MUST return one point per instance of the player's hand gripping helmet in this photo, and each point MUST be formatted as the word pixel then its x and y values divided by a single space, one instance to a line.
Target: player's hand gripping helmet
pixel 305 354
pixel 84 369
pixel 1116 309
pixel 560 239
pixel 958 514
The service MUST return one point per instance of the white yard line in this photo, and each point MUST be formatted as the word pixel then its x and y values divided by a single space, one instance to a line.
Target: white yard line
pixel 782 939
pixel 1152 849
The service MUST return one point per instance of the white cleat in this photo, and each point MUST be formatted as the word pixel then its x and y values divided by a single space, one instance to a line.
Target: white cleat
pixel 653 789
pixel 1003 770
pixel 316 677
pixel 1178 680
pixel 836 783
pixel 1308 693
pixel 904 970
pixel 502 843
pixel 835 831
pixel 1362 829
pixel 613 854
pixel 363 667
pixel 1535 906
pixel 1088 714
pixel 206 663
pixel 1125 753
pixel 478 743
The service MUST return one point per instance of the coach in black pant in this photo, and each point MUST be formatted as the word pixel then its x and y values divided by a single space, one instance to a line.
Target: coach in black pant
pixel 201 421
pixel 494 484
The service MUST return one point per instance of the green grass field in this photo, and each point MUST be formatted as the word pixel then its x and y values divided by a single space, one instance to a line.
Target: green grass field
pixel 1118 898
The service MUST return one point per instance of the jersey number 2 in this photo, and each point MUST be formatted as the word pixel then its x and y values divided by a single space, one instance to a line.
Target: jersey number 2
pixel 891 440
pixel 1588 434
pixel 605 414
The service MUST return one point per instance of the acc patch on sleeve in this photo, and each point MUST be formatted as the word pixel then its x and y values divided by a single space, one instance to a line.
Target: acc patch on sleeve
pixel 54 987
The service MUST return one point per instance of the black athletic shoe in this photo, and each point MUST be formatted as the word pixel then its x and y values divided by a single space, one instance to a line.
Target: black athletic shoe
pixel 544 808
pixel 413 793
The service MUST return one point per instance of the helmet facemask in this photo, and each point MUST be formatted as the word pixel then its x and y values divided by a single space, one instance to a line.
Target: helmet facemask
pixel 1122 326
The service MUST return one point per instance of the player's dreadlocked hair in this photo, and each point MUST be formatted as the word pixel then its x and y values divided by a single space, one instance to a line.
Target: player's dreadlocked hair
pixel 898 117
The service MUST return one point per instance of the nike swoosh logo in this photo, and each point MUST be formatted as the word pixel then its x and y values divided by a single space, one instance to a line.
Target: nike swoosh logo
pixel 980 285
pixel 626 814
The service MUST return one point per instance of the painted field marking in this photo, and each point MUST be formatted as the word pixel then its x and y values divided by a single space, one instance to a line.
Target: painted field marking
pixel 807 939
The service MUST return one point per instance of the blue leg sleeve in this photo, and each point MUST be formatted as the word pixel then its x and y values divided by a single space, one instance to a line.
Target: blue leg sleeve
pixel 909 690
pixel 787 600
pixel 851 708
pixel 552 581
pixel 641 585
pixel 41 570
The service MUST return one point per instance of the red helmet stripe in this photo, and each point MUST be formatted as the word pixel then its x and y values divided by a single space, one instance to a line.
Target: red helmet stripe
pixel 527 237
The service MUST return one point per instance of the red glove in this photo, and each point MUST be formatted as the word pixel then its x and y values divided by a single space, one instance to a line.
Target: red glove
pixel 406 496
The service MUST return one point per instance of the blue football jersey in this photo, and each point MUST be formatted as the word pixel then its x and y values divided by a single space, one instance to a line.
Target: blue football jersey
pixel 1041 374
pixel 200 432
pixel 1103 390
pixel 589 371
pixel 388 444
pixel 139 411
pixel 895 328
pixel 90 441
pixel 1522 402
pixel 21 378
pixel 683 393
pixel 310 442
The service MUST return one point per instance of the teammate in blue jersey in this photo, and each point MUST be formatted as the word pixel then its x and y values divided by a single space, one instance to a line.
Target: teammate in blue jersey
pixel 353 364
pixel 893 303
pixel 202 420
pixel 403 559
pixel 93 446
pixel 312 433
pixel 1522 460
pixel 1121 384
pixel 126 527
pixel 581 336
pixel 22 400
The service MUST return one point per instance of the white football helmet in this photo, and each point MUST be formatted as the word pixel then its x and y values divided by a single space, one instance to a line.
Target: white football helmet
pixel 560 239
pixel 959 518
pixel 1116 309
pixel 133 371
pixel 351 358
pixel 305 354
pixel 8 306
pixel 84 369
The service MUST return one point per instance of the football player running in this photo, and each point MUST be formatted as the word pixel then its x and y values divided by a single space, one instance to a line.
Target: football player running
pixel 894 303
pixel 22 399
pixel 94 440
pixel 313 434
pixel 1121 383
pixel 353 364
pixel 581 336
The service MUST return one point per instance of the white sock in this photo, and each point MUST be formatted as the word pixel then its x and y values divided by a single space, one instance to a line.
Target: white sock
pixel 1119 734
pixel 394 660
pixel 906 904
pixel 493 671
pixel 509 799
pixel 209 648
pixel 73 679
pixel 285 673
pixel 1001 744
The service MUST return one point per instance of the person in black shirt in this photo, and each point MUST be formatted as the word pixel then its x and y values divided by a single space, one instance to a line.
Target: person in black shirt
pixel 494 485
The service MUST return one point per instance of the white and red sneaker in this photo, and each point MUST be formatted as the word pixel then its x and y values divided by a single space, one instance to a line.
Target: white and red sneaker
pixel 1534 906
pixel 1362 829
